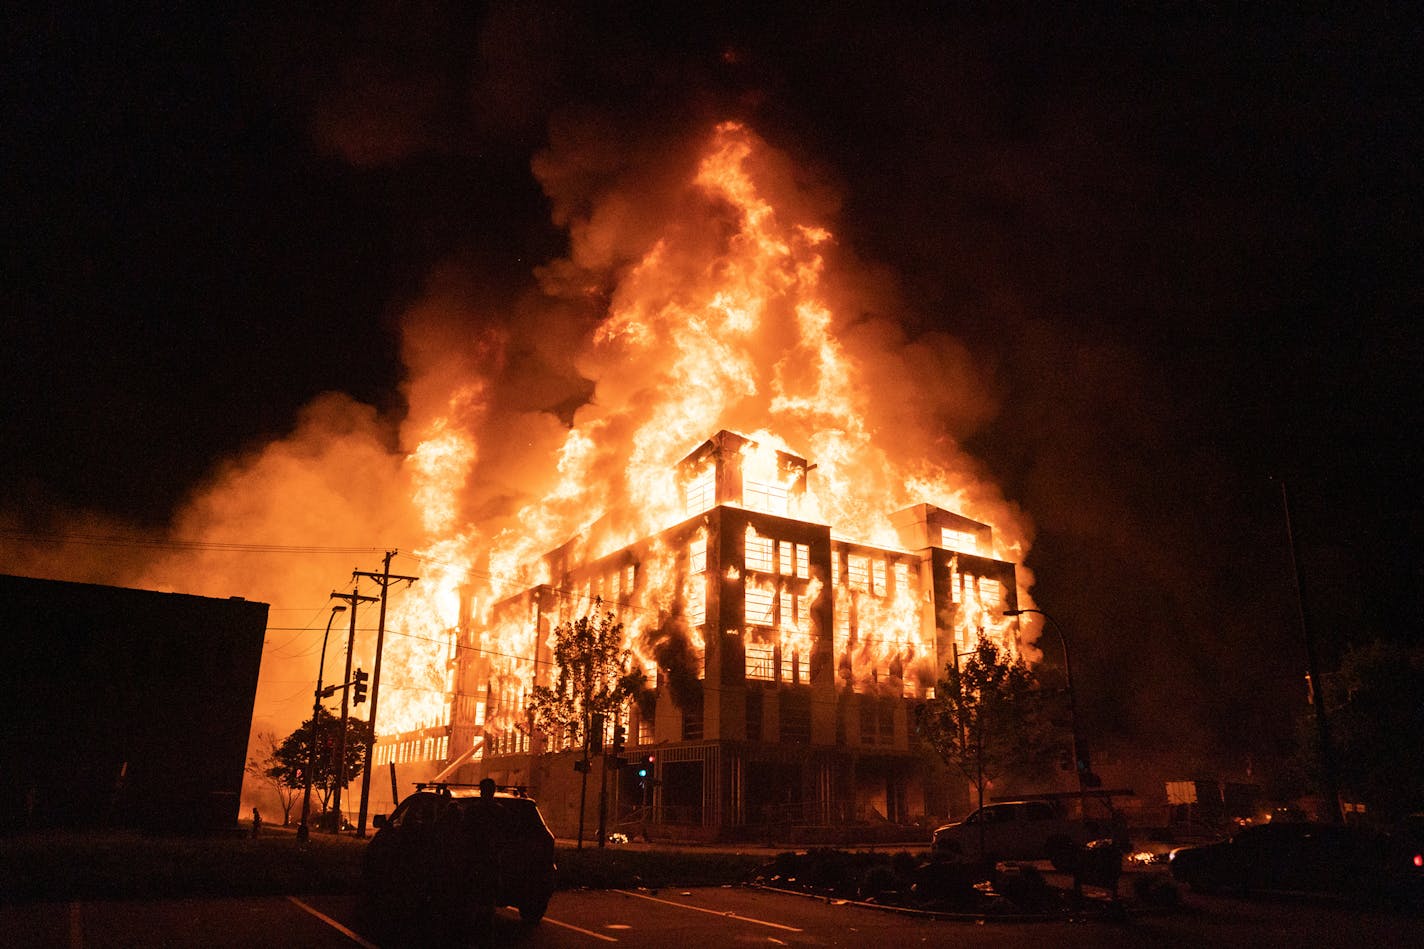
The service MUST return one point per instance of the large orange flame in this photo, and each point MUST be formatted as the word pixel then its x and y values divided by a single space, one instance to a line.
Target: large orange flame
pixel 726 321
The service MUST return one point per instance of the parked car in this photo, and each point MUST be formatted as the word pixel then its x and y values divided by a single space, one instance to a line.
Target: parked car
pixel 1305 857
pixel 455 852
pixel 1015 830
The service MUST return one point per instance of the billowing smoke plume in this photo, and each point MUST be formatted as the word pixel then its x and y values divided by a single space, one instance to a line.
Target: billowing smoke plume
pixel 704 288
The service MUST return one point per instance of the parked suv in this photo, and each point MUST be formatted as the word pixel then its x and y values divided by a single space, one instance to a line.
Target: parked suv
pixel 1015 830
pixel 455 852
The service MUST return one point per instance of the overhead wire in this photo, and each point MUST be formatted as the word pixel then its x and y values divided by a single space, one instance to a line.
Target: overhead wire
pixel 109 540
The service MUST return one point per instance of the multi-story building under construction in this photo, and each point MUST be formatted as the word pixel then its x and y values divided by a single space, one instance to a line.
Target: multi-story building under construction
pixel 783 662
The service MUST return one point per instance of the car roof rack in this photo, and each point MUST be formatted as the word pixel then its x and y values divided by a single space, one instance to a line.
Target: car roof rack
pixel 443 787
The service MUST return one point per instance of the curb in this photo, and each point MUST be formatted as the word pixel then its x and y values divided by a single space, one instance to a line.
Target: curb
pixel 940 914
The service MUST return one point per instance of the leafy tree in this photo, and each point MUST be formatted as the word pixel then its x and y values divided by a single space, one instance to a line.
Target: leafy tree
pixel 1376 721
pixel 290 759
pixel 988 718
pixel 266 768
pixel 594 679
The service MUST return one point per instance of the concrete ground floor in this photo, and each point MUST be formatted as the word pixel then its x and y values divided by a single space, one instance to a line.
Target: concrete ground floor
pixel 723 790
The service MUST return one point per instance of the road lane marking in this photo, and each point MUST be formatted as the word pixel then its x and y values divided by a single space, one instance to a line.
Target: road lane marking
pixel 713 912
pixel 579 929
pixel 349 934
pixel 76 927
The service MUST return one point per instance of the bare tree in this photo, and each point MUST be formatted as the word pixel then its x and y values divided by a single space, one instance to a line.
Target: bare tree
pixel 267 768
pixel 282 765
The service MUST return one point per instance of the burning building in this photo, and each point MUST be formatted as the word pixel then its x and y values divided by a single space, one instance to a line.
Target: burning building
pixel 783 659
pixel 790 587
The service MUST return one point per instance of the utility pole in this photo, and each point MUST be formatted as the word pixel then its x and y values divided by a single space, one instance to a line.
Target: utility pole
pixel 385 579
pixel 352 598
pixel 1312 662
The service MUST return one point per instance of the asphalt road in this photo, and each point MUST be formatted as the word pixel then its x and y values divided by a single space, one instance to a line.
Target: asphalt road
pixel 710 917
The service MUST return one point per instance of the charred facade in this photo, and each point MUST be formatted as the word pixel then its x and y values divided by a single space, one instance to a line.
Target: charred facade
pixel 783 661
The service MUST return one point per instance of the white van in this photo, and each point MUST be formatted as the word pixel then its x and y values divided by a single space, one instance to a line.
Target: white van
pixel 1014 830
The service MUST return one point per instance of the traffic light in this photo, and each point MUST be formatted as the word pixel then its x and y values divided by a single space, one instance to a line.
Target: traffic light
pixel 618 736
pixel 358 685
pixel 595 735
pixel 1082 760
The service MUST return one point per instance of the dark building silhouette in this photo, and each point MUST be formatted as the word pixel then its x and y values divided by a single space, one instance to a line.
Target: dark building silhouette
pixel 124 707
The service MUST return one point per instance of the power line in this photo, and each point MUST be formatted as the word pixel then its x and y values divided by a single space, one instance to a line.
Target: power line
pixel 102 540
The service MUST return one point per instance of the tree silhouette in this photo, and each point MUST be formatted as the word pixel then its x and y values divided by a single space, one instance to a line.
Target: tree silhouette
pixel 289 761
pixel 266 768
pixel 594 678
pixel 989 718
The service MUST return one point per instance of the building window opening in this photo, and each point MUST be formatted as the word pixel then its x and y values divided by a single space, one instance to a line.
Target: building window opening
pixel 991 593
pixel 754 714
pixel 761 661
pixel 858 571
pixel 959 540
pixel 796 717
pixel 759 604
pixel 760 496
pixel 702 492
pixel 793 560
pixel 697 599
pixel 758 550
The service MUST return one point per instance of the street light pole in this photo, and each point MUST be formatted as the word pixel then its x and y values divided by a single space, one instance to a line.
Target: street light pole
pixel 302 830
pixel 1080 765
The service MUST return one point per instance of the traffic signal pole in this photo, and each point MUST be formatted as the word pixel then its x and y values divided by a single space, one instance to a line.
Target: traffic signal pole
pixel 353 598
pixel 385 579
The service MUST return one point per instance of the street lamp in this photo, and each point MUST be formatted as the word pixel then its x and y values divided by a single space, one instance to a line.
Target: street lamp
pixel 1080 764
pixel 303 832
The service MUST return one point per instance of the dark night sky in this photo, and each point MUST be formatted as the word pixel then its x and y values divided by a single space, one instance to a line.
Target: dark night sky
pixel 1185 246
